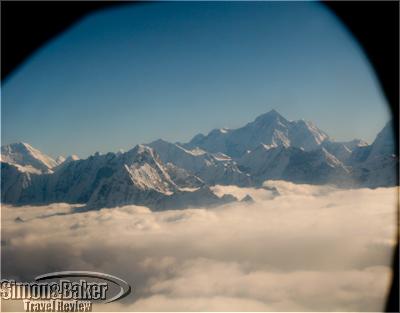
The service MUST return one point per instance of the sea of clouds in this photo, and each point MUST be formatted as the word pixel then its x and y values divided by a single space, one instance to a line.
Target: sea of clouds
pixel 312 248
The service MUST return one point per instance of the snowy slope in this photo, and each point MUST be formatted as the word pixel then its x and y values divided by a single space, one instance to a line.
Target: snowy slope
pixel 127 174
pixel 211 168
pixel 19 185
pixel 183 178
pixel 135 177
pixel 140 177
pixel 294 164
pixel 270 128
pixel 27 157
pixel 343 151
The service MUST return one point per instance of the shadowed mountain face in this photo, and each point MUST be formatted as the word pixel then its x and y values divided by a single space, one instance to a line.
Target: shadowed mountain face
pixel 296 165
pixel 135 177
pixel 213 168
pixel 375 165
pixel 165 175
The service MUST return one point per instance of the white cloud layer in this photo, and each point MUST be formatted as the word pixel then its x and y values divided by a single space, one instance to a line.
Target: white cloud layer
pixel 313 248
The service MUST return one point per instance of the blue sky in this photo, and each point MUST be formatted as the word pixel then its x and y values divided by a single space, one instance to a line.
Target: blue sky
pixel 171 70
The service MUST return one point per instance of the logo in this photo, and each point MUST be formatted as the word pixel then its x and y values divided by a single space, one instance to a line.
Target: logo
pixel 68 291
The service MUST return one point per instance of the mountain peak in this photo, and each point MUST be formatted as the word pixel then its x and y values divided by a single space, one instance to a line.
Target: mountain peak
pixel 141 149
pixel 383 143
pixel 159 142
pixel 24 154
pixel 72 157
pixel 269 116
pixel 219 131
pixel 19 145
pixel 273 112
pixel 270 128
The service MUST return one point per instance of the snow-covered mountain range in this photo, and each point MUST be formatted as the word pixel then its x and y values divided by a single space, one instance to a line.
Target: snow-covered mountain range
pixel 163 175
pixel 270 129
